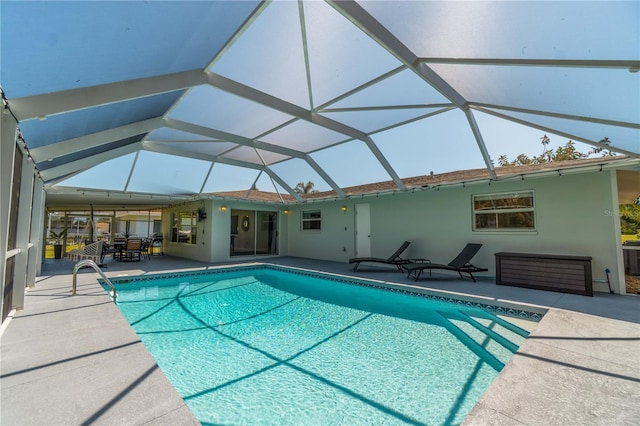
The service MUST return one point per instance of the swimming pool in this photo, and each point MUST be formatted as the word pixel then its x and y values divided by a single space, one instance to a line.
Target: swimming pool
pixel 273 345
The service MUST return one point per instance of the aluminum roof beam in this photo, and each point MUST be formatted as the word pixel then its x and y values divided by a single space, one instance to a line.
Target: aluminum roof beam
pixel 559 132
pixel 149 146
pixel 40 106
pixel 88 162
pixel 240 140
pixel 356 14
pixel 254 95
pixel 93 140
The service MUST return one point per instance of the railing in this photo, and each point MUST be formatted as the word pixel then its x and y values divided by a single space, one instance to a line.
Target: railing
pixel 91 263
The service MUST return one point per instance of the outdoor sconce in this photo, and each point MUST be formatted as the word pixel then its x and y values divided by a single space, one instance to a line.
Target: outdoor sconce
pixel 344 209
pixel 285 211
pixel 223 208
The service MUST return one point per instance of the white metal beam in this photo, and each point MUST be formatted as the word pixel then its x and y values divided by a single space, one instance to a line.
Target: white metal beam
pixel 93 140
pixel 481 145
pixel 561 133
pixel 150 146
pixel 230 137
pixel 484 106
pixel 246 92
pixel 367 23
pixel 240 140
pixel 383 160
pixel 565 63
pixel 86 97
pixel 254 95
pixel 315 166
pixel 283 184
pixel 88 162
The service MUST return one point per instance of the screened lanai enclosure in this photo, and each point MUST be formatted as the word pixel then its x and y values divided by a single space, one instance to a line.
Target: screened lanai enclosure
pixel 177 99
pixel 134 106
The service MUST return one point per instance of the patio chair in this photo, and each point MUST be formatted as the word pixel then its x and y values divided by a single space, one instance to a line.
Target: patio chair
pixel 460 264
pixel 91 251
pixel 133 250
pixel 107 250
pixel 145 249
pixel 394 259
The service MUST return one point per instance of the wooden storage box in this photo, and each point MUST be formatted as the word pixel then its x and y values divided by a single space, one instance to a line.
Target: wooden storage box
pixel 566 274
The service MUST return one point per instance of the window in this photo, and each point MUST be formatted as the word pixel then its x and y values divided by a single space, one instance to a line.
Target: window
pixel 311 220
pixel 505 211
pixel 184 227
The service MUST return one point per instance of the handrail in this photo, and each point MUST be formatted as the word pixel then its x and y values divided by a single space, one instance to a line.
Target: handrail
pixel 91 263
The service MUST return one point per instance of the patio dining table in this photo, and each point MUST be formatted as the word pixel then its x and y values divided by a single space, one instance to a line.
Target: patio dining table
pixel 119 246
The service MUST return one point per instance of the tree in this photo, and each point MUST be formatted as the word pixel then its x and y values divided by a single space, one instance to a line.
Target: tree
pixel 305 188
pixel 629 219
pixel 562 153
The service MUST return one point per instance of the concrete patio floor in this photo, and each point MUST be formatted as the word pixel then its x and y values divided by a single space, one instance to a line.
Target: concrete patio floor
pixel 75 360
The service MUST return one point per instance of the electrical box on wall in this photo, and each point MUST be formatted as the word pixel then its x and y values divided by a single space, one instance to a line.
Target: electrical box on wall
pixel 202 215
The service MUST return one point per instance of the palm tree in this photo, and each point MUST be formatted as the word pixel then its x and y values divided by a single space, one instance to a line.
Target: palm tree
pixel 305 188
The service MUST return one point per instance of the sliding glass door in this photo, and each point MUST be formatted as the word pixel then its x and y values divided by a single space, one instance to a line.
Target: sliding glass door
pixel 253 232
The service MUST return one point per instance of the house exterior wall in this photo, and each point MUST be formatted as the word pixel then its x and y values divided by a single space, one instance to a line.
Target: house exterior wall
pixel 203 248
pixel 574 216
pixel 334 241
pixel 214 236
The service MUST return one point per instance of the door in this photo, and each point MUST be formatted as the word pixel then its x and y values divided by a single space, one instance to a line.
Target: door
pixel 363 230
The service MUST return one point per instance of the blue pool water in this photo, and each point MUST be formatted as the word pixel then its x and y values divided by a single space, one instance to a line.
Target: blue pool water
pixel 267 346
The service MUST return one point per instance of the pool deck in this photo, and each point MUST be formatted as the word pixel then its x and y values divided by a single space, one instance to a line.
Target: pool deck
pixel 75 360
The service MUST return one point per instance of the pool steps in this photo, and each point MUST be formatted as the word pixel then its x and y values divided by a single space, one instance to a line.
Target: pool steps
pixel 481 339
pixel 471 343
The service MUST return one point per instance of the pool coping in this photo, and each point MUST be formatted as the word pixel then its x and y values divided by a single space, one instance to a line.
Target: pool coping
pixel 578 366
pixel 529 312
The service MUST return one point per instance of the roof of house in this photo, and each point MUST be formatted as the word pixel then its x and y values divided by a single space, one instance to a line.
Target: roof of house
pixel 430 181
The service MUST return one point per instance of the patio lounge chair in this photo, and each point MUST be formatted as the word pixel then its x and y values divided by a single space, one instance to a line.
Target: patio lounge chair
pixel 394 259
pixel 460 264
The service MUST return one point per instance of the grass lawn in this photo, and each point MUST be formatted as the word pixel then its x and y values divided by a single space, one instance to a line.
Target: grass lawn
pixel 48 254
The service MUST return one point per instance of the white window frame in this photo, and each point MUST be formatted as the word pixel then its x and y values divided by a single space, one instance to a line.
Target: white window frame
pixel 310 220
pixel 500 210
pixel 180 226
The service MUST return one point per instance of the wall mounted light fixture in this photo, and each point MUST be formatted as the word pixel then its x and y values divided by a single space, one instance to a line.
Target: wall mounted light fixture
pixel 344 209
pixel 223 208
pixel 285 211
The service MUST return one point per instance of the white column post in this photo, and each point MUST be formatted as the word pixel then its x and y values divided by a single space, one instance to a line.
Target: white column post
pixel 23 231
pixel 34 265
pixel 617 271
pixel 8 129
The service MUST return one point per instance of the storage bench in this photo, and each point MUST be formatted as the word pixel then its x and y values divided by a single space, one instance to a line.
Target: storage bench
pixel 566 274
